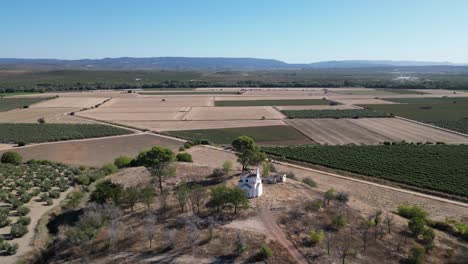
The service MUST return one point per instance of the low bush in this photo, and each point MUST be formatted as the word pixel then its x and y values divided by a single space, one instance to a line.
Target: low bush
pixel 342 197
pixel 412 211
pixel 184 157
pixel 316 236
pixel 24 220
pixel 310 182
pixel 291 175
pixel 122 162
pixel 10 157
pixel 18 230
pixel 23 210
pixel 265 252
pixel 54 194
pixel 109 169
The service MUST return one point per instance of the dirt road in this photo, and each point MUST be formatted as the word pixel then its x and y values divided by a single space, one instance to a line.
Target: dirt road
pixel 268 220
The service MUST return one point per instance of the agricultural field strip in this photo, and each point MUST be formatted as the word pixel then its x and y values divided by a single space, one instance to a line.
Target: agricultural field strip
pixel 203 124
pixel 333 131
pixel 401 190
pixel 370 131
pixel 317 107
pixel 233 113
pixel 36 133
pixel 78 102
pixel 404 130
pixel 433 126
pixel 328 135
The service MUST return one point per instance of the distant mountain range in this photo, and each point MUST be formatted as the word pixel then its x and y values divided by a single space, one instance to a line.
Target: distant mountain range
pixel 202 64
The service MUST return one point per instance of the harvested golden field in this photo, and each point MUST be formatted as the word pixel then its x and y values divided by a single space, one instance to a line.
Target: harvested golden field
pixel 191 125
pixel 114 114
pixel 51 115
pixel 233 113
pixel 77 102
pixel 104 109
pixel 95 152
pixel 371 131
pixel 151 116
pixel 159 101
pixel 266 97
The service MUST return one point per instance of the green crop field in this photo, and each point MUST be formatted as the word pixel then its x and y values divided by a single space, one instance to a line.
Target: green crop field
pixel 364 92
pixel 274 102
pixel 434 167
pixel 7 104
pixel 36 133
pixel 351 113
pixel 273 135
pixel 401 91
pixel 450 113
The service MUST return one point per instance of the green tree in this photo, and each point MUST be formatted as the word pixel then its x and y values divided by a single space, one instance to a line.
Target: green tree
pixel 158 161
pixel 338 222
pixel 197 196
pixel 238 198
pixel 182 192
pixel 218 197
pixel 416 255
pixel 329 195
pixel 107 190
pixel 428 237
pixel 416 226
pixel 266 169
pixel 147 195
pixel 10 157
pixel 131 196
pixel 74 199
pixel 248 154
pixel 243 143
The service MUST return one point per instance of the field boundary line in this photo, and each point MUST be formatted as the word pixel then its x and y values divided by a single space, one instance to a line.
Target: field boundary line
pixel 432 197
pixel 432 126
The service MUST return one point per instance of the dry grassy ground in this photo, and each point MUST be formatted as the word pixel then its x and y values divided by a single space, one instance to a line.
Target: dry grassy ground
pixel 95 152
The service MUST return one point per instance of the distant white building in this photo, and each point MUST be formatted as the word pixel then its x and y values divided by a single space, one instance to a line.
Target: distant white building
pixel 251 183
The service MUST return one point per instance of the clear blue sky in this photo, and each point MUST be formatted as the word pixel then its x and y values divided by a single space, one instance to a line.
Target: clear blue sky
pixel 289 30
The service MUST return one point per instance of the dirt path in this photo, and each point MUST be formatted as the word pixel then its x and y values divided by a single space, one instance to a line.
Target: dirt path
pixel 38 209
pixel 274 232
